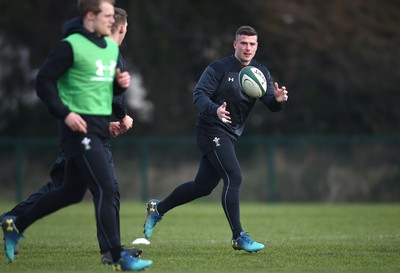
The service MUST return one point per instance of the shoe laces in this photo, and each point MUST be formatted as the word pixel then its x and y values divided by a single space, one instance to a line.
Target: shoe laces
pixel 245 237
pixel 156 215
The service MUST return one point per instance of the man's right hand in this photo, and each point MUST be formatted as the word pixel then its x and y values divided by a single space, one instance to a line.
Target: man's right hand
pixel 223 114
pixel 76 123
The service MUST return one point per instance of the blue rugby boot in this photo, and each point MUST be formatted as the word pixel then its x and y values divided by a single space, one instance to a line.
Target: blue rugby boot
pixel 129 263
pixel 244 242
pixel 11 236
pixel 16 249
pixel 106 257
pixel 153 217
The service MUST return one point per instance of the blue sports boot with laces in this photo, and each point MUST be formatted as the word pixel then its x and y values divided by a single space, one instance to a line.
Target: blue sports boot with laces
pixel 244 242
pixel 11 236
pixel 153 217
pixel 129 263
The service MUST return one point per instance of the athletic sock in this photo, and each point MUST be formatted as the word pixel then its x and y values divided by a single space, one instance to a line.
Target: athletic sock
pixel 116 253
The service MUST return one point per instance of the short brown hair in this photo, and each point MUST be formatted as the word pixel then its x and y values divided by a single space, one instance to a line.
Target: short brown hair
pixel 84 6
pixel 120 16
pixel 246 30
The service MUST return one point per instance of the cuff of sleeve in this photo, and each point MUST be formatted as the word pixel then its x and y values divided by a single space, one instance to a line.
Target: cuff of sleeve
pixel 214 109
pixel 64 113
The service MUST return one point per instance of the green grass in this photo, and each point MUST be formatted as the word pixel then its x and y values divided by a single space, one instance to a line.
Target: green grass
pixel 196 238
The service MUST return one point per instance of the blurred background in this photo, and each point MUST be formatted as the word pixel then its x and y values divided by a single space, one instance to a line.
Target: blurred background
pixel 336 141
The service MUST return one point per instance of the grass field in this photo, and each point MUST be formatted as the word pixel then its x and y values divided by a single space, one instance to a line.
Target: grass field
pixel 196 238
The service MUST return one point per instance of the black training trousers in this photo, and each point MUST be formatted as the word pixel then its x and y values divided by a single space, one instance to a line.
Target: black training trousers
pixel 86 167
pixel 218 161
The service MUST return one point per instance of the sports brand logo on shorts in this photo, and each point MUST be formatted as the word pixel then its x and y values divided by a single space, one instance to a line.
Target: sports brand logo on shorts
pixel 216 141
pixel 86 142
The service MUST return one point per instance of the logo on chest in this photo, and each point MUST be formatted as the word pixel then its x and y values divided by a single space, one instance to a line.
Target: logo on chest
pixel 105 72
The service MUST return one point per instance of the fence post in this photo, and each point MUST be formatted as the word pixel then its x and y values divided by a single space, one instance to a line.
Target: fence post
pixel 144 164
pixel 19 169
pixel 271 183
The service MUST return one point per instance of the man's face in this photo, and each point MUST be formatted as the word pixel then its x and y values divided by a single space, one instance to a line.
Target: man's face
pixel 104 20
pixel 245 48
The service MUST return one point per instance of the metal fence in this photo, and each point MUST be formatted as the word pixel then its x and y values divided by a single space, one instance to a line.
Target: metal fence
pixel 284 168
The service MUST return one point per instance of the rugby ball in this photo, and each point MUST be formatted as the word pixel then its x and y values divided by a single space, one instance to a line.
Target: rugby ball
pixel 252 81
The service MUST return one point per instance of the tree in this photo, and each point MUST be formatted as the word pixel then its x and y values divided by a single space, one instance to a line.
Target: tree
pixel 338 59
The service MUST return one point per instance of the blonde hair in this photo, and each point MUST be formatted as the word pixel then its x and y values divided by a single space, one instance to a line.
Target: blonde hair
pixel 84 6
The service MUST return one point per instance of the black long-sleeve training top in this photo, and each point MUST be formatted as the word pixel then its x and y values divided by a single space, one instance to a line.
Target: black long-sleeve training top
pixel 220 83
pixel 57 63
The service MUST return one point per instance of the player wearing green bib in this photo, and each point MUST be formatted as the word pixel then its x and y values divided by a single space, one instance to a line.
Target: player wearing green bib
pixel 87 87
pixel 77 83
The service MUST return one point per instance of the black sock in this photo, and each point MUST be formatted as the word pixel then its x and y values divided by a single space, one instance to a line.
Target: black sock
pixel 116 253
pixel 236 234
